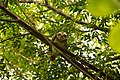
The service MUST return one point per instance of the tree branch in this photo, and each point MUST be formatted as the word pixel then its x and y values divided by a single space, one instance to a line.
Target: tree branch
pixel 64 53
pixel 72 4
pixel 66 16
pixel 46 41
pixel 46 2
pixel 6 3
pixel 9 20
pixel 79 22
pixel 14 37
pixel 113 59
pixel 28 1
pixel 14 67
pixel 31 21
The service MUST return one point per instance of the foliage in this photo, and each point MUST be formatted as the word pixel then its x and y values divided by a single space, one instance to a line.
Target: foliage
pixel 23 56
pixel 107 7
pixel 114 38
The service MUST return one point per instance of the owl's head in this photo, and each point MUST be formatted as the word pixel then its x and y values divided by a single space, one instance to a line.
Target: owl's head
pixel 61 36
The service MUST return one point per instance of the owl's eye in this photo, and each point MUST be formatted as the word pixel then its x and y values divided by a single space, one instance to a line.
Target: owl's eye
pixel 65 35
pixel 59 34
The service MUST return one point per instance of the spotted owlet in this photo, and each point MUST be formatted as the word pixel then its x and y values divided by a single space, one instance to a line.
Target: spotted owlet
pixel 61 39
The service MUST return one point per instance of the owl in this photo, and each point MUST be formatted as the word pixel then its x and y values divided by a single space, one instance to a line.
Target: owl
pixel 61 39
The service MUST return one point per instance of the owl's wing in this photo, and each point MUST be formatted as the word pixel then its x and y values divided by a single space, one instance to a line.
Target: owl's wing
pixel 50 47
pixel 66 45
pixel 53 38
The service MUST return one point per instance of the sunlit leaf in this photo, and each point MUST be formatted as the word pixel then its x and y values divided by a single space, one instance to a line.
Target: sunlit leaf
pixel 101 7
pixel 26 57
pixel 114 37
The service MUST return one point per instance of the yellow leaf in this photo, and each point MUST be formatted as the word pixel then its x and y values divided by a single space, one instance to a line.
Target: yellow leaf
pixel 101 7
pixel 114 38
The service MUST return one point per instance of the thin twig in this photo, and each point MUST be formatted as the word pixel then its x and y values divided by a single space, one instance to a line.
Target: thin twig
pixel 46 2
pixel 67 16
pixel 15 37
pixel 113 59
pixel 65 53
pixel 71 4
pixel 13 66
pixel 28 1
pixel 6 3
pixel 15 20
pixel 31 21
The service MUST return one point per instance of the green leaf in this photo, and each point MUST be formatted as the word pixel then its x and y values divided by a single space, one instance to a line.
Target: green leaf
pixel 114 37
pixel 101 7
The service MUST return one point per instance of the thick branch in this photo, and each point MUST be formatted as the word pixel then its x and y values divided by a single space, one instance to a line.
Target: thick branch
pixel 65 53
pixel 47 41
